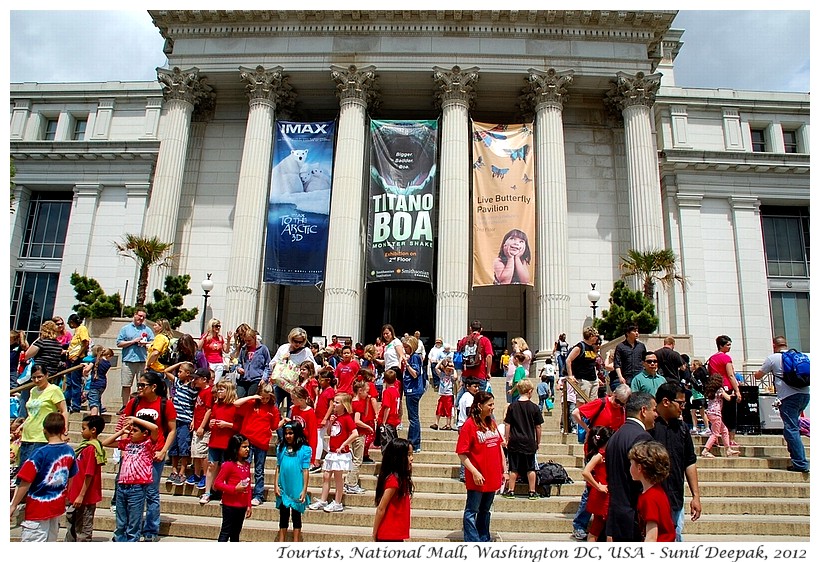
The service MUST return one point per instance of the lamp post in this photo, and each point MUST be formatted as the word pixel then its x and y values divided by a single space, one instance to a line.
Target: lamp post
pixel 593 296
pixel 207 287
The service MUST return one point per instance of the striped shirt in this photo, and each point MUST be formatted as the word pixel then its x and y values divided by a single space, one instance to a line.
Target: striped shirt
pixel 184 400
pixel 49 354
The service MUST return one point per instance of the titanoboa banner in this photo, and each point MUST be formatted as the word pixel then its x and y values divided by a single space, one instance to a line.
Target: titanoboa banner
pixel 401 197
pixel 503 204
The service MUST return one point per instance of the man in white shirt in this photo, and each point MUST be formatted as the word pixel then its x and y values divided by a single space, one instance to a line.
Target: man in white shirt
pixel 434 356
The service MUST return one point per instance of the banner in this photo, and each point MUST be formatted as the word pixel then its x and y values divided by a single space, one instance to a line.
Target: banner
pixel 299 205
pixel 400 215
pixel 503 205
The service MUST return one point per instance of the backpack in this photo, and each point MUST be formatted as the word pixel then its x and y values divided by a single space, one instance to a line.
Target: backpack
pixel 548 474
pixel 796 368
pixel 163 421
pixel 471 354
pixel 171 355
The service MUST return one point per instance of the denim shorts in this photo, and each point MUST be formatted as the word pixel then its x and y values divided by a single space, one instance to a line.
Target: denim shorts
pixel 215 454
pixel 95 398
pixel 181 446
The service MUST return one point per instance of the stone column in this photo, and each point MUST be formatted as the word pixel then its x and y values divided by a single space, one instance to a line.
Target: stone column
pixel 755 318
pixel 546 93
pixel 692 265
pixel 182 91
pixel 265 88
pixel 634 97
pixel 455 94
pixel 344 270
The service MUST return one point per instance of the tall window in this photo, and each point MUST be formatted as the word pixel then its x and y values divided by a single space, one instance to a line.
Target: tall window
pixel 790 318
pixel 46 225
pixel 32 301
pixel 79 130
pixel 51 130
pixel 786 241
pixel 790 141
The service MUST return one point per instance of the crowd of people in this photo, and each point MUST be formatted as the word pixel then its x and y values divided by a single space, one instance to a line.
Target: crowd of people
pixel 211 408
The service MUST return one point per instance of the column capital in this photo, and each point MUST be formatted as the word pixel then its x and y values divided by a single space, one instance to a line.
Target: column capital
pixel 545 89
pixel 627 90
pixel 187 86
pixel 455 84
pixel 355 83
pixel 268 86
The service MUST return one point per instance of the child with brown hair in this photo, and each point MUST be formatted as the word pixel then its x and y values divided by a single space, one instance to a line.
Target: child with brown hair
pixel 715 396
pixel 649 464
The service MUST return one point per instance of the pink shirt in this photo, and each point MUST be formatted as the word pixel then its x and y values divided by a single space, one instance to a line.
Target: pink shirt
pixel 717 364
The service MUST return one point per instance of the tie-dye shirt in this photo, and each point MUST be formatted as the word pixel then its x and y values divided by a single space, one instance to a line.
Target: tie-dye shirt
pixel 48 470
pixel 137 462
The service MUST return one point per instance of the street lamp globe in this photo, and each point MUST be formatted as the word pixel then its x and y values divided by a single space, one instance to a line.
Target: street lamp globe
pixel 594 296
pixel 207 284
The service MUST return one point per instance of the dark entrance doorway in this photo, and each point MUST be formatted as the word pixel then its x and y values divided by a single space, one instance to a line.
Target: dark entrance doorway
pixel 406 305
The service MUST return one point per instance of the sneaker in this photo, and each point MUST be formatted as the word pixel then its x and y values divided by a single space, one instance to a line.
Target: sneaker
pixel 180 480
pixel 113 508
pixel 255 502
pixel 533 496
pixel 333 507
pixel 171 478
pixel 204 499
pixel 705 433
pixel 693 431
pixel 509 494
pixel 201 483
pixel 318 504
pixel 150 538
pixel 193 480
pixel 315 470
pixel 578 535
pixel 792 468
pixel 368 460
pixel 354 489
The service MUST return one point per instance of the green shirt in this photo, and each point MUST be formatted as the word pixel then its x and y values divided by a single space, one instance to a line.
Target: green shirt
pixel 39 405
pixel 520 373
pixel 642 382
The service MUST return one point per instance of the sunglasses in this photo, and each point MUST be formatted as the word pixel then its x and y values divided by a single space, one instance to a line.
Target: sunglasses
pixel 651 361
pixel 142 385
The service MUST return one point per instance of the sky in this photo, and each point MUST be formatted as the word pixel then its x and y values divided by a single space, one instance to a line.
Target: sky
pixel 743 50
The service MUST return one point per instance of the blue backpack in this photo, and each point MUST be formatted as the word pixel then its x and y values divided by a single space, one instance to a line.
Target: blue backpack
pixel 796 368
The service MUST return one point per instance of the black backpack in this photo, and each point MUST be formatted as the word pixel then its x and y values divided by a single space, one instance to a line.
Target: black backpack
pixel 550 474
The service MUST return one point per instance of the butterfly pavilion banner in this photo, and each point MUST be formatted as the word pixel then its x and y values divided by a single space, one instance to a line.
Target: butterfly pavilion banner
pixel 503 205
pixel 299 203
pixel 401 200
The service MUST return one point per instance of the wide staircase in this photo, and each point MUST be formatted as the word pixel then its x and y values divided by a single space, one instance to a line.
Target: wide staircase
pixel 750 498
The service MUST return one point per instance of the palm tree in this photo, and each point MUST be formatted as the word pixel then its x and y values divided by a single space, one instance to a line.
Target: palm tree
pixel 650 267
pixel 147 252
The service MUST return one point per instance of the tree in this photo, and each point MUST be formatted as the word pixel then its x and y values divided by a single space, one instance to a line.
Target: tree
pixel 93 302
pixel 626 307
pixel 651 267
pixel 168 304
pixel 147 252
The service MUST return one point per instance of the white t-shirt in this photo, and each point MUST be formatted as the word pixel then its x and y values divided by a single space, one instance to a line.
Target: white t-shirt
pixel 391 356
pixel 297 358
pixel 463 406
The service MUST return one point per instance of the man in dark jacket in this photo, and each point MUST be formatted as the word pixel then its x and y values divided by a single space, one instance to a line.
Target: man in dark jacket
pixel 671 432
pixel 629 356
pixel 622 521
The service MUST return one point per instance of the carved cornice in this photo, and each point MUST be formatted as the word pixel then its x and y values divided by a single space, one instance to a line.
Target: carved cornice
pixel 629 91
pixel 752 162
pixel 186 85
pixel 455 84
pixel 85 151
pixel 356 83
pixel 545 89
pixel 269 86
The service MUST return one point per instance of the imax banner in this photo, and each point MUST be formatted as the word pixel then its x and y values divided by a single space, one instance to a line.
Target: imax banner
pixel 503 205
pixel 400 217
pixel 296 243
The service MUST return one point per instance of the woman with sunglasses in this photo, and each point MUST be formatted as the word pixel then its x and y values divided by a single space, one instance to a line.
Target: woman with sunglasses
pixel 214 345
pixel 296 351
pixel 151 400
pixel 45 398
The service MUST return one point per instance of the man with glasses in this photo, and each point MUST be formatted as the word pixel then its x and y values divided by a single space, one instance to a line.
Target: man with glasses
pixel 133 340
pixel 649 379
pixel 671 432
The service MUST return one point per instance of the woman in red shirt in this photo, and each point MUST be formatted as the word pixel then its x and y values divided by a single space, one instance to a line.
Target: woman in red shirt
pixel 260 418
pixel 393 491
pixel 234 481
pixel 213 345
pixel 223 425
pixel 479 450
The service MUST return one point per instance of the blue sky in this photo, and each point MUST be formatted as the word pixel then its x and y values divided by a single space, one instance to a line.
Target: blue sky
pixel 745 50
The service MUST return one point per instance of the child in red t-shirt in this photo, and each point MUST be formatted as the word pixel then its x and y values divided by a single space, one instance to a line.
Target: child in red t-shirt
pixel 393 490
pixel 307 379
pixel 327 391
pixel 389 413
pixel 595 475
pixel 234 481
pixel 342 431
pixel 303 413
pixel 85 491
pixel 200 426
pixel 364 412
pixel 223 424
pixel 649 464
pixel 260 418
pixel 346 371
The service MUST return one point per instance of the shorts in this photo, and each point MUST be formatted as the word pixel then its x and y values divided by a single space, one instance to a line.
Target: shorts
pixel 337 461
pixel 215 454
pixel 444 407
pixel 95 398
pixel 130 371
pixel 181 446
pixel 40 531
pixel 520 463
pixel 199 445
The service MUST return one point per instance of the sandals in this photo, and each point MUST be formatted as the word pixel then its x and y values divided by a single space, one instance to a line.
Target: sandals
pixel 707 454
pixel 446 427
pixel 434 426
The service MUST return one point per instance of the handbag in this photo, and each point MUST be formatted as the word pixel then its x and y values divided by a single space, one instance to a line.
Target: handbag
pixel 285 375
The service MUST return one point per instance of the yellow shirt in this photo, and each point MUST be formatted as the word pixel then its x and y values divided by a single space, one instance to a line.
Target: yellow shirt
pixel 160 345
pixel 78 348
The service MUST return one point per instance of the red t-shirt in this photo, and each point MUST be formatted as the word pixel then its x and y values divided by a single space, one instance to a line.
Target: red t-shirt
pixel 717 364
pixel 345 374
pixel 483 448
pixel 48 469
pixel 390 399
pixel 151 409
pixel 653 505
pixel 212 348
pixel 396 523
pixel 259 421
pixel 366 412
pixel 312 387
pixel 230 474
pixel 221 435
pixel 484 349
pixel 307 418
pixel 204 402
pixel 323 403
pixel 86 466
pixel 340 430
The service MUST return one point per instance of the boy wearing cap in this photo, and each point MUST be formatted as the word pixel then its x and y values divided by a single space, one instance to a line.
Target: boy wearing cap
pixel 200 427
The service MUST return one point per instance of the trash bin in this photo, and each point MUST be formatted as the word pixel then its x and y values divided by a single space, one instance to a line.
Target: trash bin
pixel 748 411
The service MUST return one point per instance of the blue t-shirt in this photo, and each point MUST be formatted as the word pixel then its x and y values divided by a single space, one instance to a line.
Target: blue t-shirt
pixel 413 385
pixel 543 389
pixel 48 469
pixel 134 353
pixel 99 375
